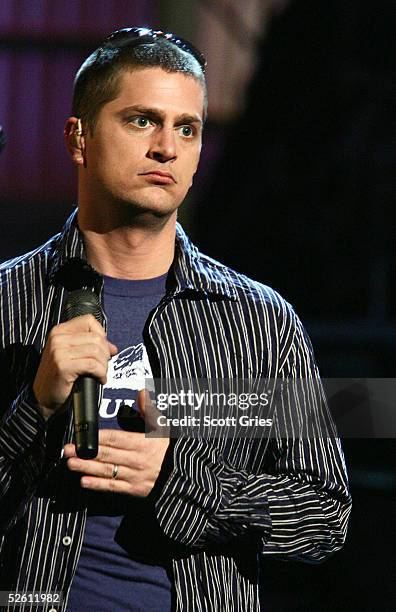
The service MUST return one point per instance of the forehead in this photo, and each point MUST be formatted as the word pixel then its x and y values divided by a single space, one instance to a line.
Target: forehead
pixel 171 92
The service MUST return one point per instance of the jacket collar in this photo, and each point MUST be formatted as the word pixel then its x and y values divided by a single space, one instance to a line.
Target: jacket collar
pixel 193 271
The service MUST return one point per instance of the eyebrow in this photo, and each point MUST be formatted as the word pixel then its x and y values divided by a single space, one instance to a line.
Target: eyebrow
pixel 159 115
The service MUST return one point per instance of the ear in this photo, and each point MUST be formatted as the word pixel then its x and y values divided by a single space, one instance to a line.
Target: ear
pixel 75 140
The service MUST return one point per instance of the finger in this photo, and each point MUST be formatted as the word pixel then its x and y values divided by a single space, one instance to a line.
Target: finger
pixel 83 323
pixel 126 483
pixel 68 363
pixel 112 348
pixel 106 454
pixel 69 450
pixel 78 338
pixel 109 485
pixel 97 468
pixel 65 336
pixel 119 456
pixel 98 351
pixel 150 414
pixel 84 366
pixel 124 440
pixel 143 398
pixel 147 408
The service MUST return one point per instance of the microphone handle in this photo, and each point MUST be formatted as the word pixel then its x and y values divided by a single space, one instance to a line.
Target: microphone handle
pixel 85 412
pixel 85 392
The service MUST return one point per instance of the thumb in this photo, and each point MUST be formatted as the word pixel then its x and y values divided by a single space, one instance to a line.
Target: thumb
pixel 112 348
pixel 150 413
pixel 143 402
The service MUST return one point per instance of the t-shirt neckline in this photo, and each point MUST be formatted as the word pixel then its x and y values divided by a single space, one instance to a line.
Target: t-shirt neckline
pixel 135 288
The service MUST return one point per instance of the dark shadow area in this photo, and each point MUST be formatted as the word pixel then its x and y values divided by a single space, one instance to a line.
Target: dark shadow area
pixel 302 199
pixel 359 577
pixel 25 225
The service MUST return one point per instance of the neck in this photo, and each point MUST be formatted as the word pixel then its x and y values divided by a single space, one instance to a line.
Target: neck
pixel 141 249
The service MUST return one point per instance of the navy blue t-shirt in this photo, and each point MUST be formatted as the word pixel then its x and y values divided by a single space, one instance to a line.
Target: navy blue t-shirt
pixel 123 563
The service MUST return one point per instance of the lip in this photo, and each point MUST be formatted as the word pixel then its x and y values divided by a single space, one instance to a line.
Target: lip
pixel 156 176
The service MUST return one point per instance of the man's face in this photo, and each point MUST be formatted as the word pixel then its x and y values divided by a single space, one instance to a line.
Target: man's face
pixel 146 145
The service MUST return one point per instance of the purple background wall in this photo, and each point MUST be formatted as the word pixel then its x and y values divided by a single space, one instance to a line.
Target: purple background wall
pixel 42 45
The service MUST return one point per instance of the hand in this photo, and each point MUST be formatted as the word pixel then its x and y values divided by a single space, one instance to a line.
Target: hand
pixel 74 348
pixel 138 458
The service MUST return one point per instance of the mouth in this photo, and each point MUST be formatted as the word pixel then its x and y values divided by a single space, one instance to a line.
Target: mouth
pixel 159 177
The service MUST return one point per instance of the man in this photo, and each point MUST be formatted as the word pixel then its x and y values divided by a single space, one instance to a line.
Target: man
pixel 151 523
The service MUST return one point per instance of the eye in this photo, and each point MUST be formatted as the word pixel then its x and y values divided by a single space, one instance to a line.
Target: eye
pixel 187 131
pixel 141 121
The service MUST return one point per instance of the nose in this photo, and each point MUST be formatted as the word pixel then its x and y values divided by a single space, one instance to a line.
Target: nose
pixel 163 146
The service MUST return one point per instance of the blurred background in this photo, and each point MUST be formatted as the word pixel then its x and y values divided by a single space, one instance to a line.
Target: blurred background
pixel 295 189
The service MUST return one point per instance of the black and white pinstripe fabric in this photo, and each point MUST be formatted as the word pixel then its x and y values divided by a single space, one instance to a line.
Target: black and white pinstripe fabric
pixel 225 503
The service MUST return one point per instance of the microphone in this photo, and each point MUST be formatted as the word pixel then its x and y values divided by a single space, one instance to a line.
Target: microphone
pixel 85 390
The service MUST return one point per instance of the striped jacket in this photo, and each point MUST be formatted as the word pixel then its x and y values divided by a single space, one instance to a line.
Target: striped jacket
pixel 223 504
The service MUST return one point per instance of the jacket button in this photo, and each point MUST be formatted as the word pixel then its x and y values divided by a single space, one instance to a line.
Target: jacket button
pixel 66 541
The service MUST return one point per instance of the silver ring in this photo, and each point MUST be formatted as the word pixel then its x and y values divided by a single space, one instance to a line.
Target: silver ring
pixel 115 471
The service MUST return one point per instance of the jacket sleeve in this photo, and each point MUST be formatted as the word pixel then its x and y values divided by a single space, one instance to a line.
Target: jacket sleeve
pixel 298 507
pixel 22 453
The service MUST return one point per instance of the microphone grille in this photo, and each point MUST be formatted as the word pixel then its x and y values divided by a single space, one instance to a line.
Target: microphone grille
pixel 82 302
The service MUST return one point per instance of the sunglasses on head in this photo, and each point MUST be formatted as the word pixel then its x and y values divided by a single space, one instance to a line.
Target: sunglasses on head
pixel 139 36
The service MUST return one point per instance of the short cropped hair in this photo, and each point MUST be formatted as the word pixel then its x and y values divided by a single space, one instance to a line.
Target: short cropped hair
pixel 97 81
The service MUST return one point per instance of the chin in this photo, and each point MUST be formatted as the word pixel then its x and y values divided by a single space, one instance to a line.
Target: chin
pixel 157 203
pixel 147 213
